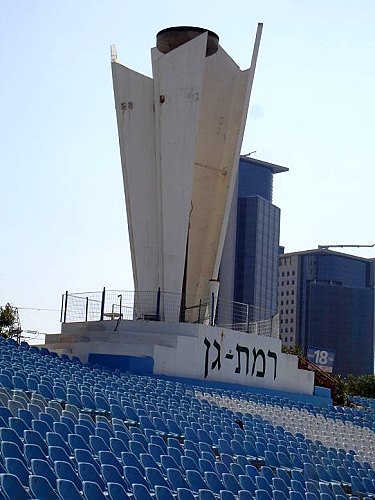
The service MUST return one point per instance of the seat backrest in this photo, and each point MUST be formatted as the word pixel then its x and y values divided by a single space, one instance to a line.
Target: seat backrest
pixel 141 492
pixel 185 494
pixel 116 491
pixel 12 487
pixel 67 489
pixel 64 470
pixel 42 468
pixel 87 472
pixel 40 487
pixel 93 491
pixel 133 476
pixel 17 467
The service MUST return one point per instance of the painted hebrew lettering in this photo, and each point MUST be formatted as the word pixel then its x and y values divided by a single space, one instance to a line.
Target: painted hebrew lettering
pixel 217 361
pixel 207 343
pixel 229 354
pixel 273 355
pixel 260 353
pixel 245 350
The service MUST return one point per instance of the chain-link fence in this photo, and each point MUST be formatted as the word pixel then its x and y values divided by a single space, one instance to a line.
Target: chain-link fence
pixel 163 306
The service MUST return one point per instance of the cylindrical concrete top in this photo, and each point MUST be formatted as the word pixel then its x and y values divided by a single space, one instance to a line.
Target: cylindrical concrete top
pixel 171 38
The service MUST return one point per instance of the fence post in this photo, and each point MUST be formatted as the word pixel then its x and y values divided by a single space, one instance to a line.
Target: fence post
pixel 247 319
pixel 66 305
pixel 212 308
pixel 87 308
pixel 199 311
pixel 102 306
pixel 158 304
pixel 62 308
pixel 120 297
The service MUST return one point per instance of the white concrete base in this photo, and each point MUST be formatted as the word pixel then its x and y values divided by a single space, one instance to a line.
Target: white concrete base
pixel 187 350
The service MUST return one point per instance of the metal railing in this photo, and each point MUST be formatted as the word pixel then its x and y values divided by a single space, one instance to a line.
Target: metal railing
pixel 164 306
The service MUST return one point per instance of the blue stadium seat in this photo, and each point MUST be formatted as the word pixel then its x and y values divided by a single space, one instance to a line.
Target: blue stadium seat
pixel 12 487
pixel 141 492
pixel 64 470
pixel 7 434
pixel 155 478
pixel 68 489
pixel 88 472
pixel 128 458
pixel 41 488
pixel 214 482
pixel 92 491
pixel 195 480
pixel 10 449
pixel 33 437
pixel 176 479
pixel 185 494
pixel 262 495
pixel 16 467
pixel 132 476
pixel 42 468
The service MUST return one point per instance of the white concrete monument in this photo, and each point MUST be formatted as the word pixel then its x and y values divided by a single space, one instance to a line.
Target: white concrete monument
pixel 180 135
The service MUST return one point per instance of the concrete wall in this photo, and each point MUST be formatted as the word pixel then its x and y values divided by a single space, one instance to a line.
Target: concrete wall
pixel 191 351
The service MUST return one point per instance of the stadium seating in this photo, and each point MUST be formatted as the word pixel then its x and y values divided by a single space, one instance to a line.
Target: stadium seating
pixel 74 431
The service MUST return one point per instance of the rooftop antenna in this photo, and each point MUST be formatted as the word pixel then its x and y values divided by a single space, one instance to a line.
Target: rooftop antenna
pixel 113 53
pixel 249 154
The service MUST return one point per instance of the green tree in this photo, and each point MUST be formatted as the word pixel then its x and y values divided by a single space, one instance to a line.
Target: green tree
pixel 8 318
pixel 294 349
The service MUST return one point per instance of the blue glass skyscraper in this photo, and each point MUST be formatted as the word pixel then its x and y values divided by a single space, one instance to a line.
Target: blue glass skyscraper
pixel 326 301
pixel 249 266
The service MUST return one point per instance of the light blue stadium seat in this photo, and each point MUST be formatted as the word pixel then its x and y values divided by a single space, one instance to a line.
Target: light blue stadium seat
pixel 14 406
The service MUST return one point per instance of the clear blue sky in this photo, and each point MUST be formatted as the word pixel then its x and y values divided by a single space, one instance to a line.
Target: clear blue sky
pixel 62 210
